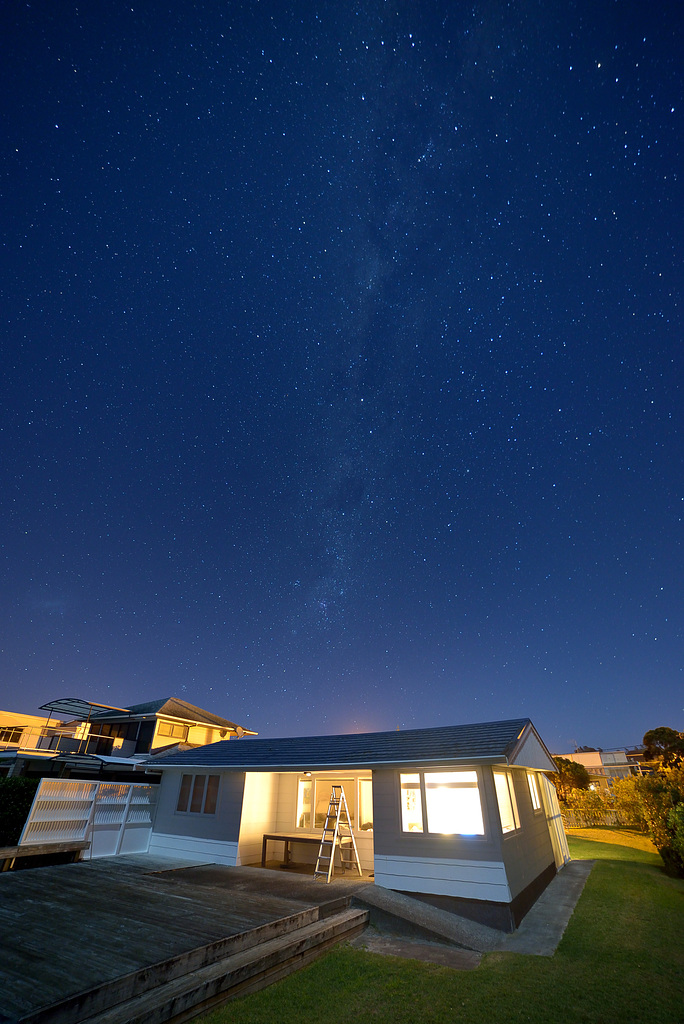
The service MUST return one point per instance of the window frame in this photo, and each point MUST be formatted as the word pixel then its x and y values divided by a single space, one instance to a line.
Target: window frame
pixel 207 800
pixel 507 775
pixel 535 792
pixel 423 780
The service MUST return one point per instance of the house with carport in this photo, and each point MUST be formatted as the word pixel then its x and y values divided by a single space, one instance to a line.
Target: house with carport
pixel 462 817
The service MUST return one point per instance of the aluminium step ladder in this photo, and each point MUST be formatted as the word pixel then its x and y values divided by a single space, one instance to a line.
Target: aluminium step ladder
pixel 337 832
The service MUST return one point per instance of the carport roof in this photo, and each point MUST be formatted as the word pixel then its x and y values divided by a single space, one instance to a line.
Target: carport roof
pixel 491 742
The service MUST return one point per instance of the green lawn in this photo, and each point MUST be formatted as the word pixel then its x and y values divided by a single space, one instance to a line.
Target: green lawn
pixel 620 960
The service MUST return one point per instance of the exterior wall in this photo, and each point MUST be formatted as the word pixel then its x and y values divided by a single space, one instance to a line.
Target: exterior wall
pixel 533 755
pixel 527 853
pixel 470 867
pixel 221 827
pixel 443 876
pixel 259 813
pixel 493 867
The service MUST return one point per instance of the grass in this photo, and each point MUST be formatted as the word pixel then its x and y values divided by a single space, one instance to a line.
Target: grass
pixel 621 959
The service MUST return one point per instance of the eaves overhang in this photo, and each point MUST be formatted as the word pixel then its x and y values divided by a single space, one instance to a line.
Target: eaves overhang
pixel 328 766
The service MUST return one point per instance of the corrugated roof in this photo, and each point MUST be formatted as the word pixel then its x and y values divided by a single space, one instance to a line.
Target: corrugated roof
pixel 485 741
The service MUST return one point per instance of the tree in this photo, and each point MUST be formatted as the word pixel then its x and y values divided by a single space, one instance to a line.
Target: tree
pixel 569 775
pixel 664 744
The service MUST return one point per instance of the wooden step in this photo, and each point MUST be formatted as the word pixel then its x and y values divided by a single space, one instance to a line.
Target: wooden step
pixel 244 970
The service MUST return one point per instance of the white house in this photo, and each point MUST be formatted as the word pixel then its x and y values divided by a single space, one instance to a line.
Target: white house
pixel 460 816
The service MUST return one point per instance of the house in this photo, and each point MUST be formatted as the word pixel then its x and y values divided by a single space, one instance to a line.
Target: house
pixel 604 766
pixel 462 817
pixel 97 740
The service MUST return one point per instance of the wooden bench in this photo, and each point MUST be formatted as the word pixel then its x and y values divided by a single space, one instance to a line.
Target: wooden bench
pixel 8 854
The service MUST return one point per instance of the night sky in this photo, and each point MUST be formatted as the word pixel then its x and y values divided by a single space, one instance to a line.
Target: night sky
pixel 341 348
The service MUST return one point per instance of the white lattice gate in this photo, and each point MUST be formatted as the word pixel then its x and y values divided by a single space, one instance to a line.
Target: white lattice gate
pixel 116 817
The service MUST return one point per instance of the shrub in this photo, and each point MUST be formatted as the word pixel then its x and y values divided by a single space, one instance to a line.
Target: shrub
pixel 16 797
pixel 662 800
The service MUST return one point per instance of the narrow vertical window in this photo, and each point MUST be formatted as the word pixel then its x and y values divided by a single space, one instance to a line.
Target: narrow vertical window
pixel 211 794
pixel 304 789
pixel 184 795
pixel 366 805
pixel 534 791
pixel 411 803
pixel 508 808
pixel 198 794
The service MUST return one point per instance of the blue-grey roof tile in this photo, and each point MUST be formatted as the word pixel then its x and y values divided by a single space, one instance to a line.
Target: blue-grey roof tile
pixel 485 741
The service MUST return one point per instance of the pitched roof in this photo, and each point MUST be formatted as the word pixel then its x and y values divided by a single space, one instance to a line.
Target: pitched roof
pixel 170 707
pixel 494 742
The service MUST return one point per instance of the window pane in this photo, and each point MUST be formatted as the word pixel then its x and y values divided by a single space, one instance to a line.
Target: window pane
pixel 323 791
pixel 304 789
pixel 198 794
pixel 453 803
pixel 411 803
pixel 184 794
pixel 534 790
pixel 508 810
pixel 212 793
pixel 366 805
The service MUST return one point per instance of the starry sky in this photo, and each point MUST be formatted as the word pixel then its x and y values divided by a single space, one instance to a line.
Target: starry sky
pixel 341 348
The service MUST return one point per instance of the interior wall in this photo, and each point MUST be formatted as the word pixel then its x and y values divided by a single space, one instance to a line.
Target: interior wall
pixel 259 813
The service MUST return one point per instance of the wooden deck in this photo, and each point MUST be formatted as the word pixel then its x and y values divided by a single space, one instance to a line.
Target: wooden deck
pixel 70 927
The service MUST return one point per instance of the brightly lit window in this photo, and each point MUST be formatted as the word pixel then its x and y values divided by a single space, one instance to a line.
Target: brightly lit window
pixel 411 803
pixel 323 792
pixel 452 803
pixel 304 791
pixel 198 794
pixel 534 790
pixel 366 805
pixel 505 795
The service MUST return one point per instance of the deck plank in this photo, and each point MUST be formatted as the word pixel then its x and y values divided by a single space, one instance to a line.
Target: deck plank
pixel 69 927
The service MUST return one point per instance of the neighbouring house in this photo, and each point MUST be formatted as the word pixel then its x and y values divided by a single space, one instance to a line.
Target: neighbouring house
pixel 97 740
pixel 604 766
pixel 459 816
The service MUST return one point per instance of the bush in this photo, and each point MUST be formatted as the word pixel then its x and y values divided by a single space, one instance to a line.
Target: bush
pixel 16 797
pixel 662 800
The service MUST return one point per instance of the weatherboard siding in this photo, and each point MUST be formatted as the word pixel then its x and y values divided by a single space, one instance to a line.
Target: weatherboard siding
pixel 207 851
pixel 527 853
pixel 440 876
pixel 223 826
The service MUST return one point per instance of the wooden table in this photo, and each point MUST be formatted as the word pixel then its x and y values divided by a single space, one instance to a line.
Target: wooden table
pixel 287 838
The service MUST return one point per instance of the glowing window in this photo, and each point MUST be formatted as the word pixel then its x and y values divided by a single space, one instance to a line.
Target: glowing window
pixel 534 791
pixel 411 803
pixel 452 802
pixel 366 805
pixel 304 790
pixel 323 793
pixel 508 808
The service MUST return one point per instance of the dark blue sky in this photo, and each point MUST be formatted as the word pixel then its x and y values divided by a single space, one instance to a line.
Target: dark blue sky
pixel 341 362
